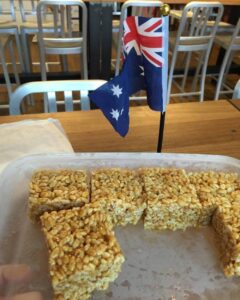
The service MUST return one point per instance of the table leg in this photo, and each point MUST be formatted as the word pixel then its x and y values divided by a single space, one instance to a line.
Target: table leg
pixel 94 30
pixel 106 40
pixel 100 40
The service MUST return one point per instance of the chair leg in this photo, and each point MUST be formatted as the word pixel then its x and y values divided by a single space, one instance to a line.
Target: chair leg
pixel 5 71
pixel 26 51
pixel 13 62
pixel 195 79
pixel 230 59
pixel 19 50
pixel 84 68
pixel 221 74
pixel 229 62
pixel 42 63
pixel 30 99
pixel 64 64
pixel 170 77
pixel 45 98
pixel 187 63
pixel 204 72
pixel 84 103
pixel 43 73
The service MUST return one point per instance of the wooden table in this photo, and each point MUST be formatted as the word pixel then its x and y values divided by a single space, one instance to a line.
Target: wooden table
pixel 209 127
pixel 225 2
pixel 236 103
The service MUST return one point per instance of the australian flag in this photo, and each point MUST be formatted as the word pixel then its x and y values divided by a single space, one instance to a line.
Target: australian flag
pixel 145 45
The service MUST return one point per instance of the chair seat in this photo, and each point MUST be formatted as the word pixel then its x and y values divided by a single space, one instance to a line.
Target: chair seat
pixel 5 23
pixel 193 42
pixel 177 14
pixel 224 40
pixel 32 24
pixel 223 26
pixel 49 44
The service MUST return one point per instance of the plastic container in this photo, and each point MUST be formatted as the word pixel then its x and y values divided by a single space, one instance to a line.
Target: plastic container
pixel 159 265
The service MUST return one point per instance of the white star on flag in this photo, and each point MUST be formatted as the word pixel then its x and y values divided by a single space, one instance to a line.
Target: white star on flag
pixel 115 114
pixel 142 70
pixel 117 91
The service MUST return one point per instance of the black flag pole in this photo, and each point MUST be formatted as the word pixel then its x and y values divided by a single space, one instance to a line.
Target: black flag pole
pixel 161 131
pixel 164 11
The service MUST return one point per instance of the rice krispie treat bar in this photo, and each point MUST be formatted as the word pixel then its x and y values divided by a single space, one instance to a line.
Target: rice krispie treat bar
pixel 172 201
pixel 212 189
pixel 226 223
pixel 84 254
pixel 57 189
pixel 119 191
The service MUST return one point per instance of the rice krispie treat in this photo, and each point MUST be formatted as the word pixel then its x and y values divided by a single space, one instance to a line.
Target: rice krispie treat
pixel 212 189
pixel 84 254
pixel 119 191
pixel 172 201
pixel 226 223
pixel 57 189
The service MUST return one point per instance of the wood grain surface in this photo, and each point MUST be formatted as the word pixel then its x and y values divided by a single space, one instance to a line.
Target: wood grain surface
pixel 225 2
pixel 211 127
pixel 236 103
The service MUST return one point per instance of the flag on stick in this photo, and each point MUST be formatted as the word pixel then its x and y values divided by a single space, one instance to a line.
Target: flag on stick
pixel 145 45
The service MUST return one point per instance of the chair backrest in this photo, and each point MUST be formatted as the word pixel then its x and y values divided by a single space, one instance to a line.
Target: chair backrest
pixel 236 92
pixel 235 40
pixel 62 17
pixel 7 46
pixel 63 40
pixel 7 11
pixel 143 8
pixel 3 42
pixel 28 10
pixel 51 88
pixel 196 34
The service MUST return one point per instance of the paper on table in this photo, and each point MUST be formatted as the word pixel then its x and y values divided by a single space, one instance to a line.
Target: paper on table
pixel 31 137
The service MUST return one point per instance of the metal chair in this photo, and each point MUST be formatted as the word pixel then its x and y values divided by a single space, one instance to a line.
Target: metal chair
pixel 9 25
pixel 236 92
pixel 6 44
pixel 231 43
pixel 51 87
pixel 29 26
pixel 7 13
pixel 138 8
pixel 63 40
pixel 196 37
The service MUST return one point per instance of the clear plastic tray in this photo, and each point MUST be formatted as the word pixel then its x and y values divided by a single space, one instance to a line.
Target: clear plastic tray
pixel 159 265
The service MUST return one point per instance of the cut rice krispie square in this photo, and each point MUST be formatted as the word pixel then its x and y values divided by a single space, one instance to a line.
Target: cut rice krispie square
pixel 73 294
pixel 119 191
pixel 57 189
pixel 84 254
pixel 226 223
pixel 212 188
pixel 172 201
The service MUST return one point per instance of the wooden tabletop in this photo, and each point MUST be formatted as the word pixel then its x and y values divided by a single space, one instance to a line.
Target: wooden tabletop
pixel 225 2
pixel 211 127
pixel 236 103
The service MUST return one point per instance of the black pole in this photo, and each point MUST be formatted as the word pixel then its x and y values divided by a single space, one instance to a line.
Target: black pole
pixel 161 132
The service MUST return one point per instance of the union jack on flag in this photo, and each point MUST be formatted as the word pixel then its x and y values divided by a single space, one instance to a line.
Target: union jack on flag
pixel 145 37
pixel 145 48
